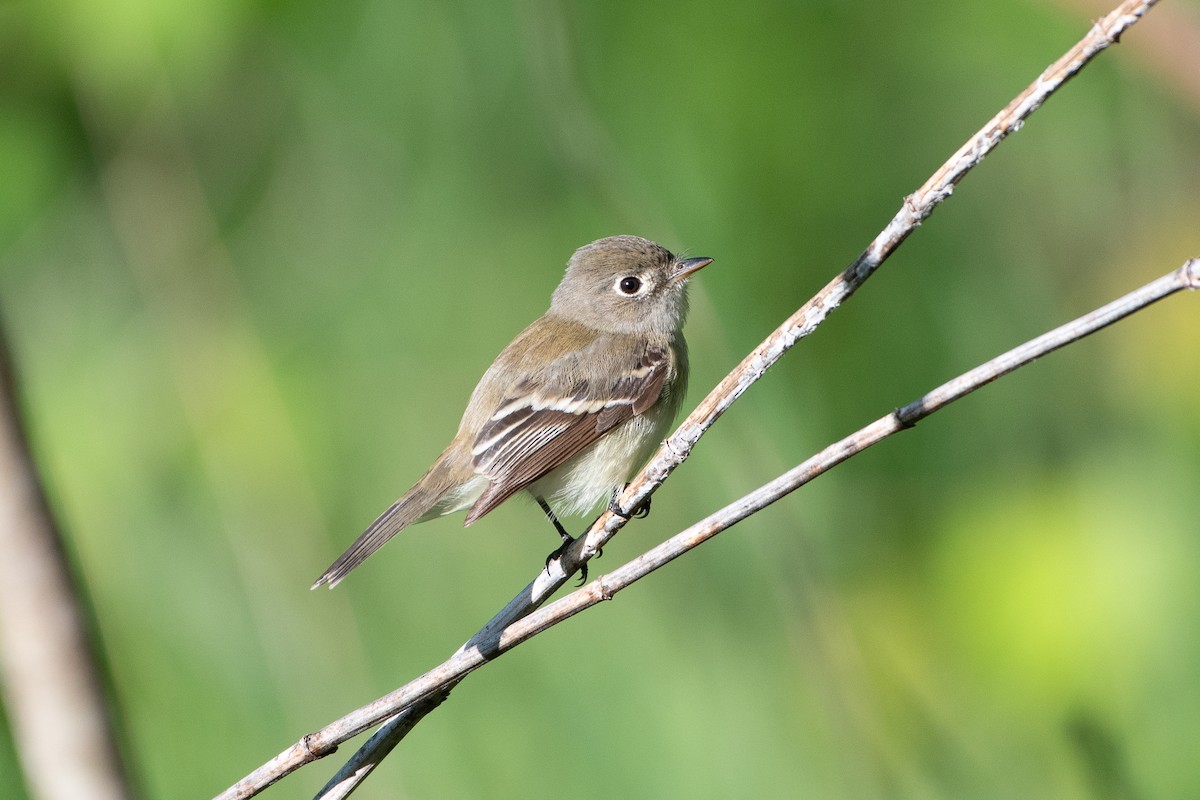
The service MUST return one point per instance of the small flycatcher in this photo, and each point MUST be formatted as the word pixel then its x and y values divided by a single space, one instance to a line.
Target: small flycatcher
pixel 572 406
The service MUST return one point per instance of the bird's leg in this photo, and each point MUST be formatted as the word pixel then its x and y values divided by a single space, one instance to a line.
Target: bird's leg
pixel 567 540
pixel 566 537
pixel 641 512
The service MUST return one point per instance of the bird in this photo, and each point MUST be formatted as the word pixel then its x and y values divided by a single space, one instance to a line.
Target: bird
pixel 571 407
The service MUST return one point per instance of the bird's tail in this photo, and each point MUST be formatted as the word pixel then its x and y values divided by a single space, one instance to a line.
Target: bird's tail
pixel 428 498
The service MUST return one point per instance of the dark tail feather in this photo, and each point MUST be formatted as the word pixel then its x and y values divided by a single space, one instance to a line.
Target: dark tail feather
pixel 404 512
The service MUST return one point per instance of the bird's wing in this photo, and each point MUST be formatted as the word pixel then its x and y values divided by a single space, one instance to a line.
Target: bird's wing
pixel 541 425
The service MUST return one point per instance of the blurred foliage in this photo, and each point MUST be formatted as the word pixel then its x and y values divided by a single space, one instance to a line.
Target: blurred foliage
pixel 253 257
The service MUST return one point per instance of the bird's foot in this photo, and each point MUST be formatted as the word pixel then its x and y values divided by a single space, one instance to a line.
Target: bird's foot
pixel 561 551
pixel 641 512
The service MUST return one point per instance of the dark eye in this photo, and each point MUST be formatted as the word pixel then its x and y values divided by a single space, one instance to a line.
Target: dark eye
pixel 629 285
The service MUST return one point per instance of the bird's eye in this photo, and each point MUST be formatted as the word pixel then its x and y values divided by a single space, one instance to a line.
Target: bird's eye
pixel 630 285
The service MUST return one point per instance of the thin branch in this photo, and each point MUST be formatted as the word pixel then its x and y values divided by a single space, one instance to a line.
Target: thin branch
pixel 375 749
pixel 916 208
pixel 498 635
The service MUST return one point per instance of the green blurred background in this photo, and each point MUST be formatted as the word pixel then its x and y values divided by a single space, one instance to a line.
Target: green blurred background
pixel 254 256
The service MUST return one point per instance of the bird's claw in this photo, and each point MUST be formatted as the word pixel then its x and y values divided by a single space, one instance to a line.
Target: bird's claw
pixel 561 551
pixel 641 512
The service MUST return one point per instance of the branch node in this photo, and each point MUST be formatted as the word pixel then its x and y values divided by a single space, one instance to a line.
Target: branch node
pixel 311 745
pixel 678 452
pixel 908 416
pixel 913 206
pixel 1191 273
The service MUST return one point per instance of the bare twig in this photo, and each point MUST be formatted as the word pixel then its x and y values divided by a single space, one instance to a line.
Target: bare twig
pixel 915 209
pixel 512 625
pixel 48 667
pixel 375 749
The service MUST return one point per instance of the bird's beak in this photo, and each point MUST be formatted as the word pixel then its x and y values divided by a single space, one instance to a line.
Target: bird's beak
pixel 686 267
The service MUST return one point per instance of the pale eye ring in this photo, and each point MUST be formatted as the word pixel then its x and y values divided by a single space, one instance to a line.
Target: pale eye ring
pixel 629 285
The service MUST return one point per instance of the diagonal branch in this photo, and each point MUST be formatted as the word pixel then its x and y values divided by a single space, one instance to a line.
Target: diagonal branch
pixel 915 209
pixel 505 629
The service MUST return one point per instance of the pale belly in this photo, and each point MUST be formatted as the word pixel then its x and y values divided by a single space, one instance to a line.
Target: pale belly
pixel 589 478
